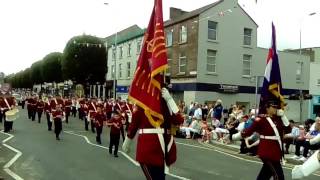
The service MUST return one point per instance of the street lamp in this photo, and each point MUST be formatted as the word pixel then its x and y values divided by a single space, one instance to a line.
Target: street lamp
pixel 114 48
pixel 301 64
pixel 258 81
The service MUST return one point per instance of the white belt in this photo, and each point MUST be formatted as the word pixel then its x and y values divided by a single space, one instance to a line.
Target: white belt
pixel 151 131
pixel 270 137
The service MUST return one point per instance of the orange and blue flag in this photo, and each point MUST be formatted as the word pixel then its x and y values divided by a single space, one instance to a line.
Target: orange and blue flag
pixel 272 86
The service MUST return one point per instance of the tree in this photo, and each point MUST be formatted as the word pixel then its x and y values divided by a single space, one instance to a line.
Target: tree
pixel 36 76
pixel 51 67
pixel 84 60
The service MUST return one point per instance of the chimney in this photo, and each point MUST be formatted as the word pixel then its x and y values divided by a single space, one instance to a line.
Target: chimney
pixel 175 12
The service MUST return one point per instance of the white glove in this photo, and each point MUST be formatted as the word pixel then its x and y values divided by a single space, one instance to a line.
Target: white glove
pixel 310 166
pixel 170 102
pixel 284 118
pixel 237 136
pixel 126 145
pixel 315 140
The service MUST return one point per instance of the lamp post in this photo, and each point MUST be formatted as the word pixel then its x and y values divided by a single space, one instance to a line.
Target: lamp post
pixel 301 64
pixel 257 80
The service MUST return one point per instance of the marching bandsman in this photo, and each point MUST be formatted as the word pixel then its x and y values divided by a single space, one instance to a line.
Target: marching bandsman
pixel 47 109
pixel 108 108
pixel 1 109
pixel 270 127
pixel 8 104
pixel 40 107
pixel 34 107
pixel 156 148
pixel 81 108
pixel 115 124
pixel 67 108
pixel 74 107
pixel 100 118
pixel 29 102
pixel 57 117
pixel 92 110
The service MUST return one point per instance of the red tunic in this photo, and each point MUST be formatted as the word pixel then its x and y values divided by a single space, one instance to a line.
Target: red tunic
pixel 40 106
pixel 92 108
pixel 99 118
pixel 267 149
pixel 68 104
pixel 57 115
pixel 149 150
pixel 115 129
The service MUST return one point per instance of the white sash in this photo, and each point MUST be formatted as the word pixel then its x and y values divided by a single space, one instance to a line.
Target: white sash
pixel 94 107
pixel 276 132
pixel 5 100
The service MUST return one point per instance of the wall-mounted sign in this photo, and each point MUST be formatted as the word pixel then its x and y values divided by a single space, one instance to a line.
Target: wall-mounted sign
pixel 228 88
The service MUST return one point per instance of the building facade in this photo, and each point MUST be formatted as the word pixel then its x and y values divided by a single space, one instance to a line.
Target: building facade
pixel 213 54
pixel 122 59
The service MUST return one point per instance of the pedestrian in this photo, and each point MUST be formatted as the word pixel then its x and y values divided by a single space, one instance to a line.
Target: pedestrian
pixel 47 109
pixel 74 107
pixel 100 118
pixel 67 108
pixel 115 123
pixel 57 117
pixel 156 149
pixel 270 127
pixel 40 107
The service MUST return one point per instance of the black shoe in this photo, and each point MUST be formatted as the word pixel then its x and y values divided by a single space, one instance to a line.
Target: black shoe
pixel 116 155
pixel 57 138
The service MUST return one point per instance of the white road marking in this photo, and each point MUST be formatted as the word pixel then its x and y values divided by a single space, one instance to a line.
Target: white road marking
pixel 240 158
pixel 124 154
pixel 10 163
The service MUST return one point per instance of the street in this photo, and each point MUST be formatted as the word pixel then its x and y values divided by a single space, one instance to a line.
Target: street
pixel 77 156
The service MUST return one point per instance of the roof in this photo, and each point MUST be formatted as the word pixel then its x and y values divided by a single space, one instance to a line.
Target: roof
pixel 127 34
pixel 191 14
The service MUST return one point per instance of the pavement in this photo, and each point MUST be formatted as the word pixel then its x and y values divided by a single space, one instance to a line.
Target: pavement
pixel 77 156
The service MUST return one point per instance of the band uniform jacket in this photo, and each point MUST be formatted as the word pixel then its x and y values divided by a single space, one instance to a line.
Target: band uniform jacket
pixel 40 106
pixel 68 104
pixel 99 119
pixel 267 149
pixel 47 107
pixel 149 150
pixel 57 115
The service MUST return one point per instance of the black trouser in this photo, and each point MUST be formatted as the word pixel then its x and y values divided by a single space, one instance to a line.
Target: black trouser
pixel 22 104
pixel 67 116
pixel 99 131
pixel 306 147
pixel 74 111
pixel 39 116
pixel 57 127
pixel 1 116
pixel 122 133
pixel 7 125
pixel 29 113
pixel 243 147
pixel 86 123
pixel 49 122
pixel 271 169
pixel 33 115
pixel 81 114
pixel 92 126
pixel 153 172
pixel 114 141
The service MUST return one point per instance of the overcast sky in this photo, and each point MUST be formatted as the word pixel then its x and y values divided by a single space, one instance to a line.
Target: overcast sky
pixel 30 29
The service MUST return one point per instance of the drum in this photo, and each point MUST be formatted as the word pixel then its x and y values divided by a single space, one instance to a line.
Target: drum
pixel 12 114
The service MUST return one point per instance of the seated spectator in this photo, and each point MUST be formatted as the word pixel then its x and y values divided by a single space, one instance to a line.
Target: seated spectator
pixel 205 132
pixel 291 137
pixel 305 142
pixel 193 127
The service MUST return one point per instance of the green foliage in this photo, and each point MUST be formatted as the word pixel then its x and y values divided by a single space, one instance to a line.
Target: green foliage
pixel 84 60
pixel 51 67
pixel 36 76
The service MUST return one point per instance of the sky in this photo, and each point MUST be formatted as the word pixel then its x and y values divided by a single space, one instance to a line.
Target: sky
pixel 31 29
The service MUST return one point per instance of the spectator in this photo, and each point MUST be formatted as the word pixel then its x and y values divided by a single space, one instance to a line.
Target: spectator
pixel 306 142
pixel 291 137
pixel 194 127
pixel 198 112
pixel 217 110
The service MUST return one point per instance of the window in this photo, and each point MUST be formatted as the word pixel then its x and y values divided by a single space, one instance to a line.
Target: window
pixel 183 34
pixel 138 47
pixel 169 38
pixel 169 63
pixel 212 30
pixel 112 71
pixel 318 82
pixel 246 65
pixel 129 49
pixel 211 61
pixel 182 63
pixel 128 69
pixel 299 72
pixel 247 33
pixel 120 70
pixel 121 52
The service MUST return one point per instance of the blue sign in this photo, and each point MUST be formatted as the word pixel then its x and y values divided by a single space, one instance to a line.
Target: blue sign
pixel 122 89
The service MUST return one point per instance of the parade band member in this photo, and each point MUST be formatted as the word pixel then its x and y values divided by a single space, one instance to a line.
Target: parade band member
pixel 74 107
pixel 9 111
pixel 57 117
pixel 99 120
pixel 156 148
pixel 270 127
pixel 40 107
pixel 47 109
pixel 115 123
pixel 67 108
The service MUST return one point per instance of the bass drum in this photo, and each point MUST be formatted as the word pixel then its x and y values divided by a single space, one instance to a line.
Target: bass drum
pixel 12 115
